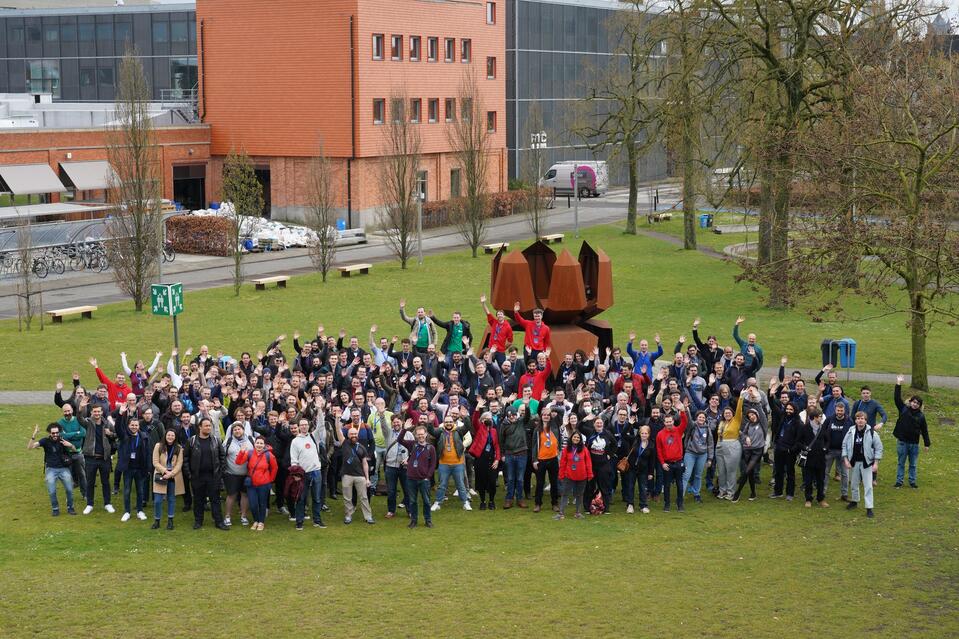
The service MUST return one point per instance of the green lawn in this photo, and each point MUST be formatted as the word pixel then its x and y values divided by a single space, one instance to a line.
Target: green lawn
pixel 658 287
pixel 757 569
pixel 706 237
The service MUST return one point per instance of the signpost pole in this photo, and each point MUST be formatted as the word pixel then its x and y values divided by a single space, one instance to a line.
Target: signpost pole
pixel 576 199
pixel 176 342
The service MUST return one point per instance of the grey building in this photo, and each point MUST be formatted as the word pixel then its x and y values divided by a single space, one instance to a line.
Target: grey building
pixel 74 53
pixel 553 47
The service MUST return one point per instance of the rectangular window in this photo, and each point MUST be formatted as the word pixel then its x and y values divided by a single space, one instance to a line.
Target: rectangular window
pixel 491 121
pixel 416 109
pixel 455 183
pixel 43 76
pixel 161 32
pixel 450 44
pixel 377 46
pixel 432 49
pixel 451 109
pixel 490 13
pixel 179 32
pixel 434 107
pixel 396 108
pixel 466 110
pixel 396 47
pixel 466 49
pixel 51 34
pixel 490 68
pixel 415 48
pixel 379 106
pixel 422 179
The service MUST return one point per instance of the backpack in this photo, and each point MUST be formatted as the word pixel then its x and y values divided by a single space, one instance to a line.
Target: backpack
pixel 597 506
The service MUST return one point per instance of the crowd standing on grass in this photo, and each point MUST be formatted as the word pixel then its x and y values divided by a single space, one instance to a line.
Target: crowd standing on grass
pixel 298 426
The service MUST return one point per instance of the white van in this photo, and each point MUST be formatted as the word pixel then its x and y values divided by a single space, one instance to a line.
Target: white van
pixel 593 178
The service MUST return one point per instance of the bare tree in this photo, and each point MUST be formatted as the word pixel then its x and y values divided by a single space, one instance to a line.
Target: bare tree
pixel 469 140
pixel 135 232
pixel 245 193
pixel 399 175
pixel 531 172
pixel 321 213
pixel 27 294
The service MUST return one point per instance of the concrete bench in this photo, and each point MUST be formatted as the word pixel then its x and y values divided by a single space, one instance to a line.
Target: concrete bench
pixel 279 280
pixel 659 217
pixel 348 269
pixel 489 249
pixel 84 311
pixel 552 238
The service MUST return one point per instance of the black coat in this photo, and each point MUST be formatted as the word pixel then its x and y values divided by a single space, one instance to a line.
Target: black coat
pixel 191 463
pixel 449 332
pixel 911 424
pixel 786 435
pixel 817 445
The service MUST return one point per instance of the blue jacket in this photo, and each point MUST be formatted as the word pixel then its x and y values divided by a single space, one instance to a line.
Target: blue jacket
pixel 744 349
pixel 640 359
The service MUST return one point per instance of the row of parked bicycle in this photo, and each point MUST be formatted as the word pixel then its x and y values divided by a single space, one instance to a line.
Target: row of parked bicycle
pixel 81 256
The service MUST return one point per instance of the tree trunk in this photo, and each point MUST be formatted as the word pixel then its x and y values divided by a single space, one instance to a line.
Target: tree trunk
pixel 689 184
pixel 765 216
pixel 237 271
pixel 633 187
pixel 920 373
pixel 779 232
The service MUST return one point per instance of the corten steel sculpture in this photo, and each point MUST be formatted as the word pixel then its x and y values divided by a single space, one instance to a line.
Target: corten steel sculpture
pixel 571 293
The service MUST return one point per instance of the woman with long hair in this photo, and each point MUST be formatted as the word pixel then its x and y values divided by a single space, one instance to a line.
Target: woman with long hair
pixel 575 469
pixel 167 477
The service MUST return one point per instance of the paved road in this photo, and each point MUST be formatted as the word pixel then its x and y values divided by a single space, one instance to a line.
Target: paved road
pixel 198 272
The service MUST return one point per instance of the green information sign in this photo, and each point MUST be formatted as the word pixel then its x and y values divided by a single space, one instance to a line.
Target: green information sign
pixel 167 299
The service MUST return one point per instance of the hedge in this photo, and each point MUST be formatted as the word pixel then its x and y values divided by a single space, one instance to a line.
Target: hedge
pixel 442 212
pixel 200 234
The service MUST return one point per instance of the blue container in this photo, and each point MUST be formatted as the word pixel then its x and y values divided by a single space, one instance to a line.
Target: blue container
pixel 340 224
pixel 704 221
pixel 214 206
pixel 248 245
pixel 847 352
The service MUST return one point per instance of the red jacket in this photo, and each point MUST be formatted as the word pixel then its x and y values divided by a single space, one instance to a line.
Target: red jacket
pixel 537 380
pixel 538 339
pixel 117 392
pixel 500 333
pixel 640 383
pixel 479 438
pixel 261 467
pixel 669 442
pixel 584 467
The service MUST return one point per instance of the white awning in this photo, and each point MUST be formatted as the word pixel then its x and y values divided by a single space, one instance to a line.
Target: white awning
pixel 89 176
pixel 30 179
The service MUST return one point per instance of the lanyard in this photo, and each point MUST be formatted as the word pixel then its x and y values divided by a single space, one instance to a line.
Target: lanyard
pixel 416 455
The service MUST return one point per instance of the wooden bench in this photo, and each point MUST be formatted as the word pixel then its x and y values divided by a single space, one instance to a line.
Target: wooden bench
pixel 348 269
pixel 84 311
pixel 279 280
pixel 659 217
pixel 489 249
pixel 553 238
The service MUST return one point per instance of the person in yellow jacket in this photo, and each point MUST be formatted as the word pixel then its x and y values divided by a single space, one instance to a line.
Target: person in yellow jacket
pixel 729 451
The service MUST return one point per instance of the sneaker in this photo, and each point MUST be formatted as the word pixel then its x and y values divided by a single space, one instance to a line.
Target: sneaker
pixel 681 509
pixel 823 504
pixel 244 521
pixel 665 509
pixel 390 515
pixel 492 505
pixel 169 523
pixel 645 510
pixel 436 506
pixel 473 493
pixel 370 522
pixel 222 526
pixel 401 505
pixel 735 499
pixel 126 517
pixel 789 497
pixel 482 505
pixel 292 518
pixel 775 496
pixel 898 484
pixel 752 498
pixel 316 524
pixel 55 513
pixel 808 504
pixel 227 521
pixel 156 525
pixel 71 511
pixel 142 516
pixel 629 510
pixel 299 526
pixel 326 508
pixel 844 498
pixel 429 524
pixel 580 516
pixel 116 491
pixel 110 509
pixel 347 520
pixel 869 513
pixel 537 508
pixel 284 510
pixel 412 524
pixel 197 525
pixel 697 499
pixel 559 517
pixel 913 485
pixel 466 506
pixel 851 505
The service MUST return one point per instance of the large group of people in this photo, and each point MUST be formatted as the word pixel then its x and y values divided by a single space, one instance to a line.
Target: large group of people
pixel 299 425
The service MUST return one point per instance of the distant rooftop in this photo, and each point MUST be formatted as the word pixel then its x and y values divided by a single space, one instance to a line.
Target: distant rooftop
pixel 21 111
pixel 77 7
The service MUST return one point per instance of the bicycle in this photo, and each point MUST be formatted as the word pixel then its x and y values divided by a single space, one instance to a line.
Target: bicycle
pixel 169 253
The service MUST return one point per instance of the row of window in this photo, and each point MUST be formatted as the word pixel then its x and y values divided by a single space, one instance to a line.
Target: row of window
pixel 432 50
pixel 397 108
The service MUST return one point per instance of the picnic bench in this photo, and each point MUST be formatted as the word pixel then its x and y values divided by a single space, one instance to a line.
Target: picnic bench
pixel 279 280
pixel 84 311
pixel 348 269
pixel 552 238
pixel 489 249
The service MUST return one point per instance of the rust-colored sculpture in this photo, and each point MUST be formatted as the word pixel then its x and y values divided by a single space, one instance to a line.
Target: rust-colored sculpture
pixel 570 292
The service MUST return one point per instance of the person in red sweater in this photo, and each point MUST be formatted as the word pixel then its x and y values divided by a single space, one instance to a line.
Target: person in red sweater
pixel 261 469
pixel 669 450
pixel 486 454
pixel 116 389
pixel 575 469
pixel 535 377
pixel 500 332
pixel 536 335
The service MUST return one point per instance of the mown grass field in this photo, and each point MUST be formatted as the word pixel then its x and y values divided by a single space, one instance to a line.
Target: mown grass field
pixel 758 569
pixel 658 287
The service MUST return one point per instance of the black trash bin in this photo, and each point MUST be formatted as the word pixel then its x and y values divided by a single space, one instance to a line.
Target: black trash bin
pixel 830 352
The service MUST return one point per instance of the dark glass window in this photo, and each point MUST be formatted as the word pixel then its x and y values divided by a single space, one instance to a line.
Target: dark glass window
pixel 179 32
pixel 161 32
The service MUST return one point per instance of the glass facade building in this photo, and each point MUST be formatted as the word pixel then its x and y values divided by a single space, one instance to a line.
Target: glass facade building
pixel 553 48
pixel 75 53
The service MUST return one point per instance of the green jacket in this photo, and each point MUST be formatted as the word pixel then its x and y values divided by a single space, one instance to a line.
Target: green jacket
pixel 440 434
pixel 72 431
pixel 512 437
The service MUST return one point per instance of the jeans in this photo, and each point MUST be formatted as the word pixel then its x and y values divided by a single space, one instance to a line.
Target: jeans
pixel 92 467
pixel 514 466
pixel 259 497
pixel 138 477
pixel 861 473
pixel 314 488
pixel 728 454
pixel 380 456
pixel 51 477
pixel 630 479
pixel 693 475
pixel 572 492
pixel 835 457
pixel 904 451
pixel 394 477
pixel 673 475
pixel 458 471
pixel 78 472
pixel 169 496
pixel 547 467
pixel 418 489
